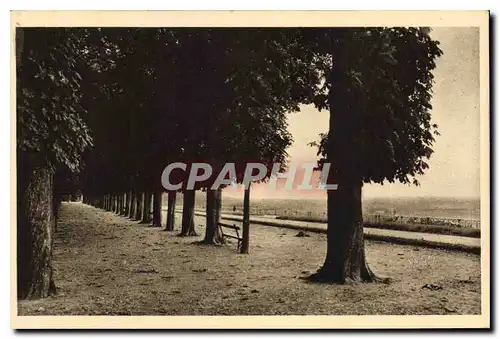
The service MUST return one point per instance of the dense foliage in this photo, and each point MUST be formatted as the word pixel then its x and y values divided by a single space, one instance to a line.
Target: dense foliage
pixel 213 95
pixel 389 73
pixel 50 115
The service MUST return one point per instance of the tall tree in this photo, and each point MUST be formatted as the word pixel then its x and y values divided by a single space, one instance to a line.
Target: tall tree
pixel 188 202
pixel 251 79
pixel 378 89
pixel 50 132
pixel 171 203
pixel 245 243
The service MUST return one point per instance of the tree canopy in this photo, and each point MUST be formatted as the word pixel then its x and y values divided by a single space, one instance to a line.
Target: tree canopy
pixel 388 72
pixel 51 119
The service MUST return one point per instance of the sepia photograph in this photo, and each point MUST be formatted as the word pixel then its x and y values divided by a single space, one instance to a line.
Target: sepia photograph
pixel 171 169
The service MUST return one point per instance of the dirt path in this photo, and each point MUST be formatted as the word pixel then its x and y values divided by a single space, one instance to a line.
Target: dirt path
pixel 106 264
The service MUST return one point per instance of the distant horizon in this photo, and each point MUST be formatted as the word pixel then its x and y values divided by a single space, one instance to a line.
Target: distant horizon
pixel 293 197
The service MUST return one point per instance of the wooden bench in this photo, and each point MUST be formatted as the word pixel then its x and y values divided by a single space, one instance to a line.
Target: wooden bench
pixel 233 227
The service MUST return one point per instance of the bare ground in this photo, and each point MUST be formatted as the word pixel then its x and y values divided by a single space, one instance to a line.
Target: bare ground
pixel 108 265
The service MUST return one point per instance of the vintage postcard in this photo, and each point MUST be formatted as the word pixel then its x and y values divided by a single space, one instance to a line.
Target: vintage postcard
pixel 285 170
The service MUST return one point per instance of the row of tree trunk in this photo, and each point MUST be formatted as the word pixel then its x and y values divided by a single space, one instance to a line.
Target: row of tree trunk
pixel 141 206
pixel 146 207
pixel 36 215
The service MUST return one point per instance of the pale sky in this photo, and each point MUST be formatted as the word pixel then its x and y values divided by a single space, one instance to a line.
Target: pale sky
pixel 454 166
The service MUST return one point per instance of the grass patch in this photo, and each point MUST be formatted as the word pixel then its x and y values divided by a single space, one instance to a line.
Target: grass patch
pixel 435 229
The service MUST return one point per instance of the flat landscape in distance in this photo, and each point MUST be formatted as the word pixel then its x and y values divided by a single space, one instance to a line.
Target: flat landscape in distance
pixel 432 207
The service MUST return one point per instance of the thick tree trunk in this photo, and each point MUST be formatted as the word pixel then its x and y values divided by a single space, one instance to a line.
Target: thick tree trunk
pixel 133 202
pixel 345 260
pixel 246 221
pixel 139 206
pixel 157 204
pixel 218 206
pixel 123 203
pixel 113 203
pixel 172 197
pixel 213 235
pixel 35 227
pixel 188 214
pixel 116 207
pixel 128 203
pixel 118 204
pixel 146 208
